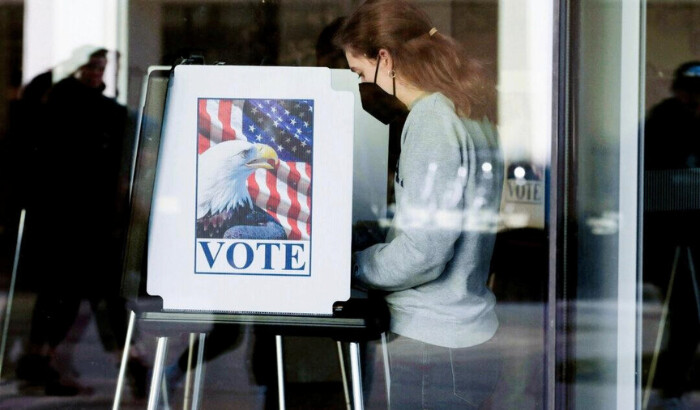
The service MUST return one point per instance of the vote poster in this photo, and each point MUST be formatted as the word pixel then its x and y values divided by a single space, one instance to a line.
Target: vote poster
pixel 252 203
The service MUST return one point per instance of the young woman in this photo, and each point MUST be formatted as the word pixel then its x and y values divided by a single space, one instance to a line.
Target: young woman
pixel 435 261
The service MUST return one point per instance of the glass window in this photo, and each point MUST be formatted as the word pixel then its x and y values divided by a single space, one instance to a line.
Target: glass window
pixel 597 202
pixel 70 150
pixel 669 285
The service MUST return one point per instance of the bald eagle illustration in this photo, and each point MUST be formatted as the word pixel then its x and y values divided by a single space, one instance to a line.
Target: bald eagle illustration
pixel 224 206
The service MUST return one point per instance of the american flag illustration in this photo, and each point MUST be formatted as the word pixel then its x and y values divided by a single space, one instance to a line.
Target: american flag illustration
pixel 285 125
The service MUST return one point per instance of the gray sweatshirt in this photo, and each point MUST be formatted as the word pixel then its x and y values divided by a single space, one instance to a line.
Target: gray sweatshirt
pixel 436 258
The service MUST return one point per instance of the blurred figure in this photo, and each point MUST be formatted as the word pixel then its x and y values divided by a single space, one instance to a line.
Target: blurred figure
pixel 328 54
pixel 74 227
pixel 671 223
pixel 672 140
pixel 435 260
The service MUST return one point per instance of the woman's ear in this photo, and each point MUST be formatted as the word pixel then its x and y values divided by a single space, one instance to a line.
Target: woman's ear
pixel 386 62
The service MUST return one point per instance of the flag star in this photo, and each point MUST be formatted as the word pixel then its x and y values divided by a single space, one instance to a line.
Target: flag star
pixel 311 109
pixel 251 128
pixel 301 114
pixel 286 112
pixel 254 110
pixel 258 137
pixel 280 119
pixel 280 148
pixel 293 121
pixel 288 140
pixel 298 131
pixel 260 105
pixel 294 149
pixel 303 143
pixel 308 151
pixel 267 101
pixel 260 120
pixel 273 109
pixel 276 124
pixel 306 124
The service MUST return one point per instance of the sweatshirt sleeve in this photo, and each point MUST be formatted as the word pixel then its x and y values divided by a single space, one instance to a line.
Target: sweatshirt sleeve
pixel 428 219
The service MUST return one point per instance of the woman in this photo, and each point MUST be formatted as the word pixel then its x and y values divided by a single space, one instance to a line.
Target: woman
pixel 435 262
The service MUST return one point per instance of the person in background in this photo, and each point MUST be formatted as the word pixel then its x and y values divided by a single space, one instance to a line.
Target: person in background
pixel 327 53
pixel 671 244
pixel 434 263
pixel 75 224
pixel 671 128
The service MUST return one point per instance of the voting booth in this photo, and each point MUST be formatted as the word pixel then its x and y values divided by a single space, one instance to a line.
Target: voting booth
pixel 246 184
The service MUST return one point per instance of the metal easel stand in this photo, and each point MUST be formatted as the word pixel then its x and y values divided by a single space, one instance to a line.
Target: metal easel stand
pixel 191 400
pixel 355 358
pixel 355 371
pixel 664 315
pixel 11 291
pixel 198 373
pixel 356 376
pixel 280 370
pixel 159 386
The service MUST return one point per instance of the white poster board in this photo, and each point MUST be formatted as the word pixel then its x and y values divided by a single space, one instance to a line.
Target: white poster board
pixel 252 203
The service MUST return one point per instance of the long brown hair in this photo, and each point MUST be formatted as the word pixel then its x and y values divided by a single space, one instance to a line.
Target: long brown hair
pixel 425 58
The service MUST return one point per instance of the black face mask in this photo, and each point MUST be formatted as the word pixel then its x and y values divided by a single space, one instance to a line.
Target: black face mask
pixel 380 104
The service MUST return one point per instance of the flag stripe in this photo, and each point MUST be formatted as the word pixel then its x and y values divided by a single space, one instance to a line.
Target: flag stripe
pixel 307 188
pixel 287 201
pixel 262 193
pixel 203 125
pixel 305 193
pixel 273 202
pixel 294 208
pixel 253 187
pixel 215 129
pixel 307 168
pixel 236 120
pixel 227 133
pixel 282 210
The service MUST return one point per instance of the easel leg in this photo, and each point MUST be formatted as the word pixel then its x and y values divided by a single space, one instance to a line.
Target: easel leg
pixel 660 332
pixel 356 376
pixel 188 373
pixel 344 375
pixel 157 378
pixel 199 373
pixel 387 370
pixel 696 289
pixel 11 291
pixel 125 360
pixel 280 371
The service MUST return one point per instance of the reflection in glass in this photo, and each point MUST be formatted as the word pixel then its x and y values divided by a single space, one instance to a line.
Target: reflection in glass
pixel 238 359
pixel 671 289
